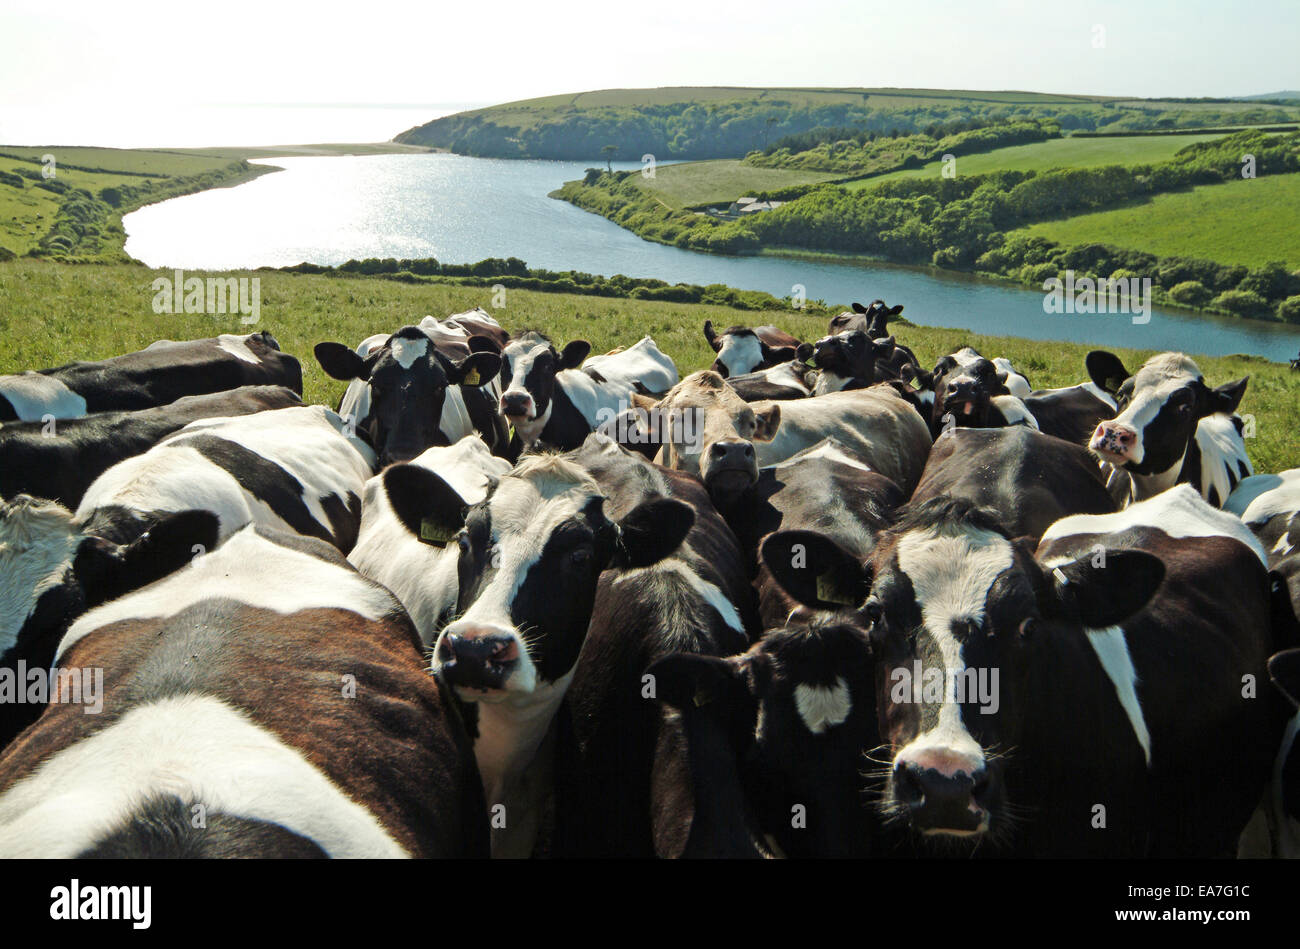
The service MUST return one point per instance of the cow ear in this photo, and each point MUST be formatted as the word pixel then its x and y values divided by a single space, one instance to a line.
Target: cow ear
pixel 1104 588
pixel 815 570
pixel 895 310
pixel 651 531
pixel 1228 396
pixel 479 343
pixel 687 680
pixel 339 362
pixel 859 308
pixel 769 420
pixel 884 346
pixel 106 570
pixel 478 369
pixel 777 353
pixel 426 505
pixel 1284 670
pixel 804 352
pixel 574 354
pixel 1105 370
pixel 711 336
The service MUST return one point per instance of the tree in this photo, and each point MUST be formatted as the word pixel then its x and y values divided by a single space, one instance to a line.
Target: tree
pixel 608 151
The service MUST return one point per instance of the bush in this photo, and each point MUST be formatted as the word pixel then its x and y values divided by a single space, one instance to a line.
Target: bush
pixel 1190 293
pixel 947 257
pixel 1289 310
pixel 12 180
pixel 7 254
pixel 1270 281
pixel 1242 303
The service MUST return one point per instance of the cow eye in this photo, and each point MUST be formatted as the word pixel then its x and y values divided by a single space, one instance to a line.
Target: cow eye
pixel 580 555
pixel 873 610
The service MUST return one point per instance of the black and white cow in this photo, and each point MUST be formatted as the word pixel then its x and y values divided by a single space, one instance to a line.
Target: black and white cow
pixel 1269 504
pixel 776 741
pixel 970 392
pixel 1171 428
pixel 1040 701
pixel 617 791
pixel 421 571
pixel 724 440
pixel 872 319
pixel 1026 479
pixel 59 461
pixel 265 701
pixel 529 560
pixel 743 350
pixel 786 380
pixel 155 376
pixel 1071 412
pixel 550 398
pixel 290 469
pixel 848 360
pixel 419 387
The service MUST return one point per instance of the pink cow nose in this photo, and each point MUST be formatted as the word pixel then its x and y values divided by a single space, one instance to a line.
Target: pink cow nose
pixel 1113 438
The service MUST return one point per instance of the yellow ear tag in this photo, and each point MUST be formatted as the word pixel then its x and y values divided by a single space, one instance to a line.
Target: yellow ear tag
pixel 471 378
pixel 829 592
pixel 436 534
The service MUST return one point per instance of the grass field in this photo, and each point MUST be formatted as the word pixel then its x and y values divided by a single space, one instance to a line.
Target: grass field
pixel 695 183
pixel 1248 222
pixel 52 313
pixel 1054 153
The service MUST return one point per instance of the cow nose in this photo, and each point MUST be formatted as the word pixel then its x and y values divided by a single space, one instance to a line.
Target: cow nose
pixel 731 452
pixel 729 470
pixel 517 404
pixel 943 793
pixel 479 658
pixel 1114 438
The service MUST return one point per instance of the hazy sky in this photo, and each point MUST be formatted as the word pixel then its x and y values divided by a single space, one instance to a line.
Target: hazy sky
pixel 428 51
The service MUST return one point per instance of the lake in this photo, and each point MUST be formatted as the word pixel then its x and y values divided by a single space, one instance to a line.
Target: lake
pixel 460 209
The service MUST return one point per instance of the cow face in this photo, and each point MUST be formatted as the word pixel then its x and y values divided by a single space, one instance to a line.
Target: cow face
pixel 741 350
pixel 51 572
pixel 872 319
pixel 528 370
pixel 848 355
pixel 1159 409
pixel 956 614
pixel 965 384
pixel 529 557
pixel 406 378
pixel 713 434
pixel 797 711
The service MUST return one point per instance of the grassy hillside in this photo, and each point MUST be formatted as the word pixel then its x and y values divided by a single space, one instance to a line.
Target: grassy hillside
pixel 1056 153
pixel 696 183
pixel 52 313
pixel 1248 222
pixel 722 122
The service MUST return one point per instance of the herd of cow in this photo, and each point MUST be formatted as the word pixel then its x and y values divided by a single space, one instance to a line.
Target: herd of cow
pixel 517 600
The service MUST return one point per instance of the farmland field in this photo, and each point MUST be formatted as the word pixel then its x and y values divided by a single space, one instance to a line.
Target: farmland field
pixel 44 309
pixel 695 183
pixel 1250 222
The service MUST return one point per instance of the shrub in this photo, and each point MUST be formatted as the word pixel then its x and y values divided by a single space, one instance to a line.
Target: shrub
pixel 1289 310
pixel 7 254
pixel 947 257
pixel 12 180
pixel 1269 281
pixel 1190 293
pixel 1242 303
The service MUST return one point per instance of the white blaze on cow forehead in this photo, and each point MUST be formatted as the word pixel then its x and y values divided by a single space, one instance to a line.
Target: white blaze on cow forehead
pixel 740 353
pixel 407 351
pixel 1262 497
pixel 1158 379
pixel 237 346
pixel 248 569
pixel 194 747
pixel 1178 512
pixel 951 572
pixel 37 543
pixel 821 707
pixel 34 395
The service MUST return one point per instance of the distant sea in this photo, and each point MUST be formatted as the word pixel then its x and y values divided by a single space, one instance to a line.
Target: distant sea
pixel 170 126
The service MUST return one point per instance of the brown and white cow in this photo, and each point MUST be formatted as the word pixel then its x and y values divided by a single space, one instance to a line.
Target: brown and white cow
pixel 266 701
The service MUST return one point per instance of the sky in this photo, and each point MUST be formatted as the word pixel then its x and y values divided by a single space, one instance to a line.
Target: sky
pixel 144 53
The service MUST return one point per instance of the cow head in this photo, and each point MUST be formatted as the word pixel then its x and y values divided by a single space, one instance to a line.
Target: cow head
pixel 796 715
pixel 872 319
pixel 965 384
pixel 741 350
pixel 1159 409
pixel 849 355
pixel 712 434
pixel 958 616
pixel 529 366
pixel 51 572
pixel 530 554
pixel 406 379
